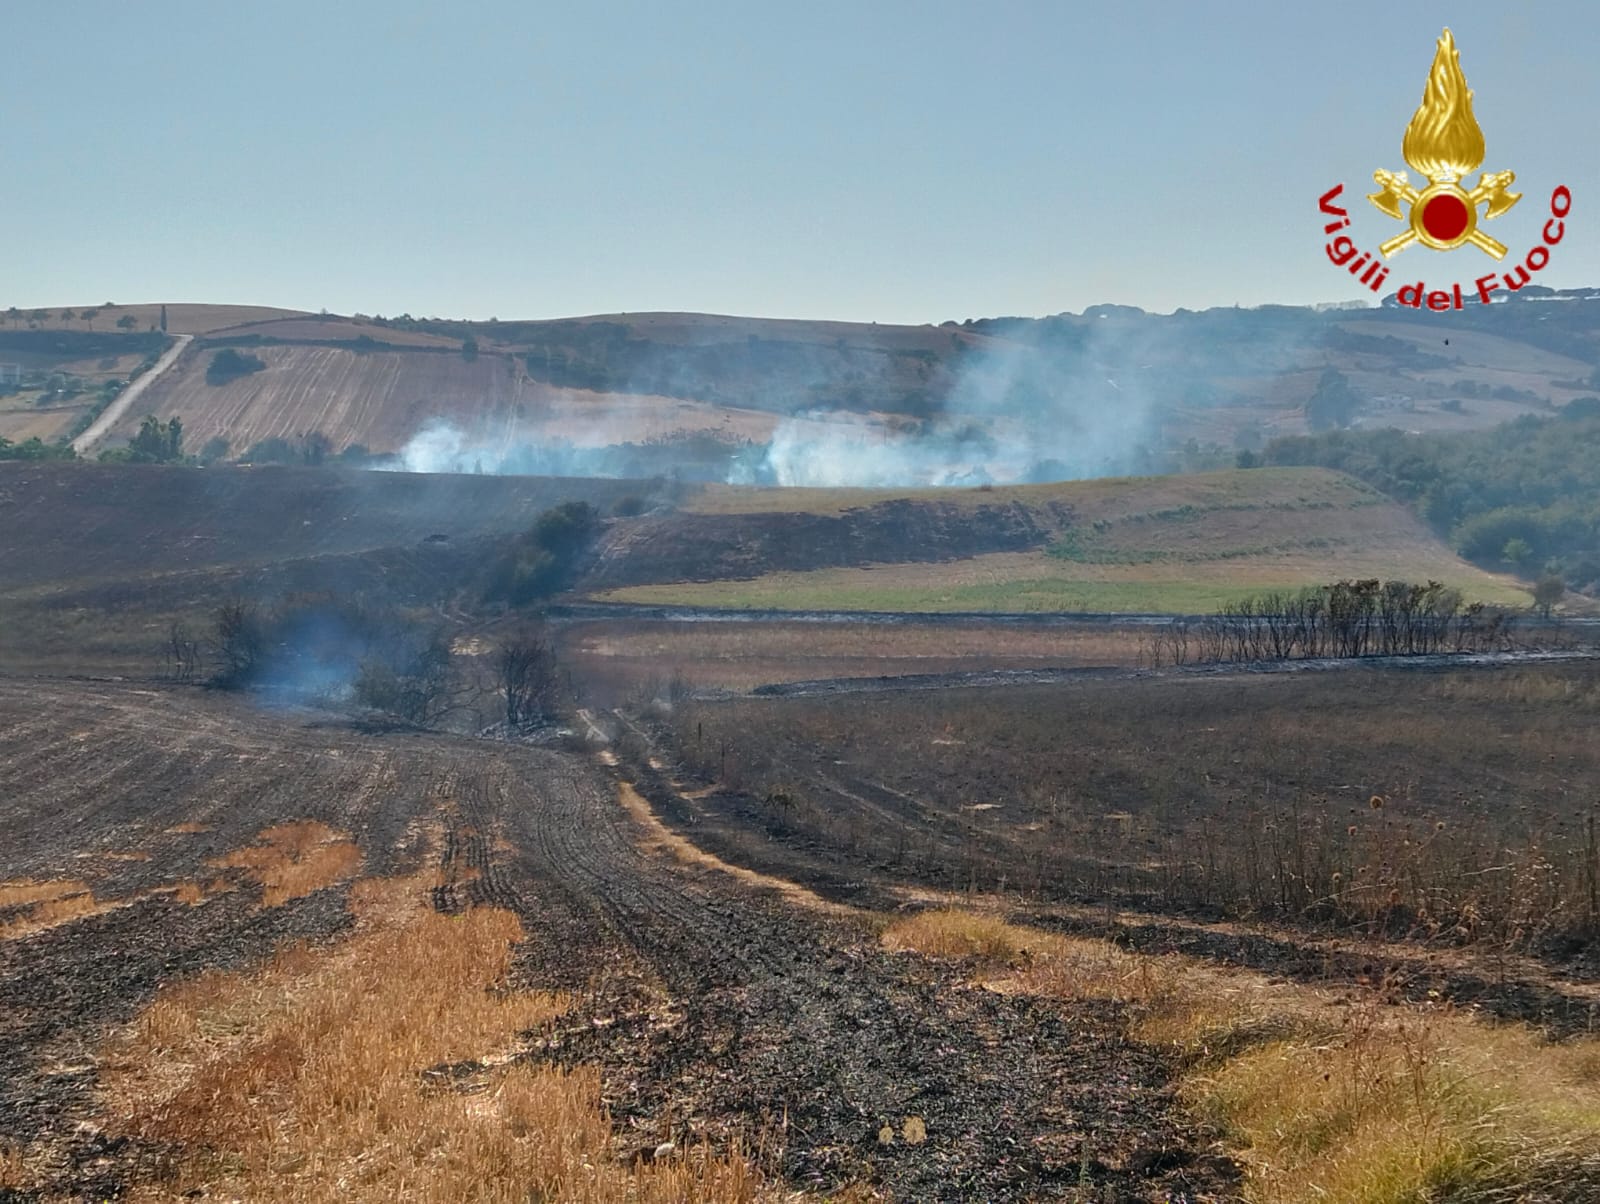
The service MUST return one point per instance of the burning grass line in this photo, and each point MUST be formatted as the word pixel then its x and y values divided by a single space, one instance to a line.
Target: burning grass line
pixel 1323 1097
pixel 307 1080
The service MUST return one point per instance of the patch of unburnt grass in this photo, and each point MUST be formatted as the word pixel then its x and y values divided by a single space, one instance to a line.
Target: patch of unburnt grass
pixel 292 860
pixel 28 891
pixel 381 1068
pixel 35 906
pixel 13 1170
pixel 1325 1096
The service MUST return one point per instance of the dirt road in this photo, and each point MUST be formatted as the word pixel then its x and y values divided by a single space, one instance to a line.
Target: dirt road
pixel 714 1008
pixel 114 412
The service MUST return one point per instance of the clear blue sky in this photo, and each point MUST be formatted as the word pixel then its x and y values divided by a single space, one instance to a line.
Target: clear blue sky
pixel 880 161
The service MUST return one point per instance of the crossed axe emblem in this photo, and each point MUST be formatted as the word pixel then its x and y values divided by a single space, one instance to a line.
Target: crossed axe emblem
pixel 1443 216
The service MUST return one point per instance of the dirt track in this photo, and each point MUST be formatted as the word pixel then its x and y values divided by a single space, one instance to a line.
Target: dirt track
pixel 713 1008
pixel 114 412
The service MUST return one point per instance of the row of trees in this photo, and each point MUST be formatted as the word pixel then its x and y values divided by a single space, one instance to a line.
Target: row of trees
pixel 38 317
pixel 1345 619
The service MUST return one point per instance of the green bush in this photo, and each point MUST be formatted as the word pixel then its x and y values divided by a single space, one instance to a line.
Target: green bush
pixel 543 561
pixel 230 364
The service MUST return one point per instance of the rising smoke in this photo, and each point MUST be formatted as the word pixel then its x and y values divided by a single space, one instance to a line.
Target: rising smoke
pixel 1009 409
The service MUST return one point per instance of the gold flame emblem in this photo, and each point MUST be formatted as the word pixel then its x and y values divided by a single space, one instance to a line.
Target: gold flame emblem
pixel 1444 143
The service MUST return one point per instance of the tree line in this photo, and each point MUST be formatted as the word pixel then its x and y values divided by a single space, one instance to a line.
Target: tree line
pixel 1345 619
pixel 1524 494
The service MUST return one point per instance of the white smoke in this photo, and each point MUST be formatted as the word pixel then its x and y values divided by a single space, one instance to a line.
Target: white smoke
pixel 1016 413
pixel 827 449
pixel 437 447
pixel 1058 399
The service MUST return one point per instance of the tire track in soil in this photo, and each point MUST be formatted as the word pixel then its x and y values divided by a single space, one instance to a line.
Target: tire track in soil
pixel 715 1010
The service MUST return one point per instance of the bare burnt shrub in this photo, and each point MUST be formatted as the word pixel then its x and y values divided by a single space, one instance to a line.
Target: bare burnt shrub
pixel 527 675
pixel 333 650
pixel 1346 619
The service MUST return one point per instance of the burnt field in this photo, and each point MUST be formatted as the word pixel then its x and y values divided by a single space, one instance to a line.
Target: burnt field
pixel 156 834
pixel 663 944
pixel 1449 807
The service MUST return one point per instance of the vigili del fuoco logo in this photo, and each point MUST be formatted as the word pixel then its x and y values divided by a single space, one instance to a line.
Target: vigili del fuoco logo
pixel 1444 144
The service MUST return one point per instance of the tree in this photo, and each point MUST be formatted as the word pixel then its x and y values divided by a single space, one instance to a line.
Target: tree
pixel 315 448
pixel 1548 592
pixel 157 442
pixel 1332 403
pixel 40 315
pixel 527 676
pixel 543 561
pixel 163 319
pixel 410 679
pixel 182 653
pixel 215 450
pixel 230 364
pixel 241 642
pixel 15 315
pixel 68 316
pixel 88 316
pixel 127 322
pixel 1517 551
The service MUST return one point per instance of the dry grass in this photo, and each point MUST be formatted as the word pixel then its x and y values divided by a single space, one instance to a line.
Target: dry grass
pixel 187 829
pixel 294 859
pixel 1326 1097
pixel 15 894
pixel 1104 499
pixel 380 1069
pixel 13 1170
pixel 656 656
pixel 1191 578
pixel 659 836
pixel 1184 544
pixel 48 905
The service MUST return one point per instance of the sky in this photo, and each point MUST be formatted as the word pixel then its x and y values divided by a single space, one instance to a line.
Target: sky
pixel 868 161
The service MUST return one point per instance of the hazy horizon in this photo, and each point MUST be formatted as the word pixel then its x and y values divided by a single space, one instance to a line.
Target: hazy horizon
pixel 901 164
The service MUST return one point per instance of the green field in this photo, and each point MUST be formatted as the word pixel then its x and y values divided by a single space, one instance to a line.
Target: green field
pixel 1180 544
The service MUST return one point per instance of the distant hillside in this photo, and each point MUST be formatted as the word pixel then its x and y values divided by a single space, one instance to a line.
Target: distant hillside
pixel 1179 544
pixel 1108 392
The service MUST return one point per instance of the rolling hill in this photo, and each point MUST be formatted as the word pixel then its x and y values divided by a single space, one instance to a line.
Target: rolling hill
pixel 1114 390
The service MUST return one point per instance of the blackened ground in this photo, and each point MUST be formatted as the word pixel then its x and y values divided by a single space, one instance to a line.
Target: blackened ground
pixel 716 1010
